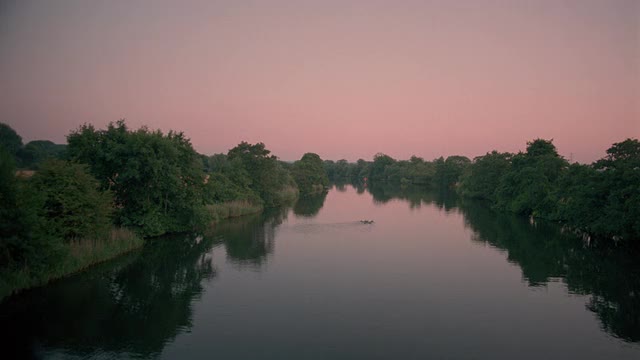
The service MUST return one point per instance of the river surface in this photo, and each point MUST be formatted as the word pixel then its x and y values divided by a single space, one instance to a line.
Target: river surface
pixel 433 277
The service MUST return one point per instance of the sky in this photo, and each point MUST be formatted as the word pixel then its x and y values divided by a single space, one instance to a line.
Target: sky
pixel 343 79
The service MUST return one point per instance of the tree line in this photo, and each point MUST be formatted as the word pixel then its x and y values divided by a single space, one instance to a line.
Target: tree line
pixel 105 190
pixel 119 185
pixel 600 201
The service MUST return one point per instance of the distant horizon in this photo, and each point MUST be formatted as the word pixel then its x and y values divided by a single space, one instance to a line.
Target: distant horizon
pixel 343 79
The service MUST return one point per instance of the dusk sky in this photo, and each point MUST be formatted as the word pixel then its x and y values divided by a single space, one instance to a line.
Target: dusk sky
pixel 344 79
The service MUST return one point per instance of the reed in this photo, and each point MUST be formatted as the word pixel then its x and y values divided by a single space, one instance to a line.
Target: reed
pixel 232 209
pixel 287 196
pixel 78 254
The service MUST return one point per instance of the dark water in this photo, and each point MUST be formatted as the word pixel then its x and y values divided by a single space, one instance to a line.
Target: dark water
pixel 433 277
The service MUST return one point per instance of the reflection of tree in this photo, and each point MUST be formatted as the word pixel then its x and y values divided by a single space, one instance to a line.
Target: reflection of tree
pixel 383 194
pixel 137 304
pixel 309 206
pixel 360 188
pixel 415 196
pixel 609 275
pixel 248 240
pixel 538 250
pixel 136 307
pixel 340 186
pixel 543 252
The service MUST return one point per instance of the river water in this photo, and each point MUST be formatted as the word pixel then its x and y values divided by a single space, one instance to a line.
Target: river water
pixel 433 277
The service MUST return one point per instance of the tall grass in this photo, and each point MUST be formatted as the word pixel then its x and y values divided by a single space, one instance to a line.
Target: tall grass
pixel 232 209
pixel 79 254
pixel 287 196
pixel 87 252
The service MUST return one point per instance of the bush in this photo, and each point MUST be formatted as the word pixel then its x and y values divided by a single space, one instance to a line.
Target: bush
pixel 72 205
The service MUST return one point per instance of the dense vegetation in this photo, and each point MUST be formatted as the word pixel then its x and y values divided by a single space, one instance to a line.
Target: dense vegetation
pixel 30 155
pixel 108 188
pixel 156 179
pixel 600 201
pixel 99 195
pixel 54 223
pixel 309 174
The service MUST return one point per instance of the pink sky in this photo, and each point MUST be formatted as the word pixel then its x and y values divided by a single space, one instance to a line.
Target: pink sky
pixel 344 79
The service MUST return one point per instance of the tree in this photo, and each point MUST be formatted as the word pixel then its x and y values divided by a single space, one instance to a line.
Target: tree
pixel 37 151
pixel 157 179
pixel 380 163
pixel 268 177
pixel 624 155
pixel 529 187
pixel 361 171
pixel 620 173
pixel 484 175
pixel 420 172
pixel 12 227
pixel 25 241
pixel 541 147
pixel 10 140
pixel 449 171
pixel 73 207
pixel 309 174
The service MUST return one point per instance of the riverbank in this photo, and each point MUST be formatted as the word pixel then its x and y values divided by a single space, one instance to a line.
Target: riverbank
pixel 232 209
pixel 76 256
pixel 82 254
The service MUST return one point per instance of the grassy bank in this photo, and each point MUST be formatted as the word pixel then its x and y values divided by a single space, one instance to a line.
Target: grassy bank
pixel 287 196
pixel 236 208
pixel 232 209
pixel 76 256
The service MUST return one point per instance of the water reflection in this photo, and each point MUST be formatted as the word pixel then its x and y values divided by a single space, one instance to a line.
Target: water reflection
pixel 249 240
pixel 138 304
pixel 609 275
pixel 134 306
pixel 309 206
pixel 340 187
pixel 416 197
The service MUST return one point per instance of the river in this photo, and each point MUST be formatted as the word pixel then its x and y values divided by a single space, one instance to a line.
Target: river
pixel 433 277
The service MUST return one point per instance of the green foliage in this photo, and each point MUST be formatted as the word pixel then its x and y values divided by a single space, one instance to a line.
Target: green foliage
pixel 484 174
pixel 222 187
pixel 230 209
pixel 360 171
pixel 530 185
pixel 620 173
pixel 309 174
pixel 12 227
pixel 10 141
pixel 581 198
pixel 420 172
pixel 268 176
pixel 384 169
pixel 228 180
pixel 448 172
pixel 157 179
pixel 380 163
pixel 342 171
pixel 72 205
pixel 600 201
pixel 541 148
pixel 37 151
pixel 330 169
pixel 25 241
pixel 72 257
